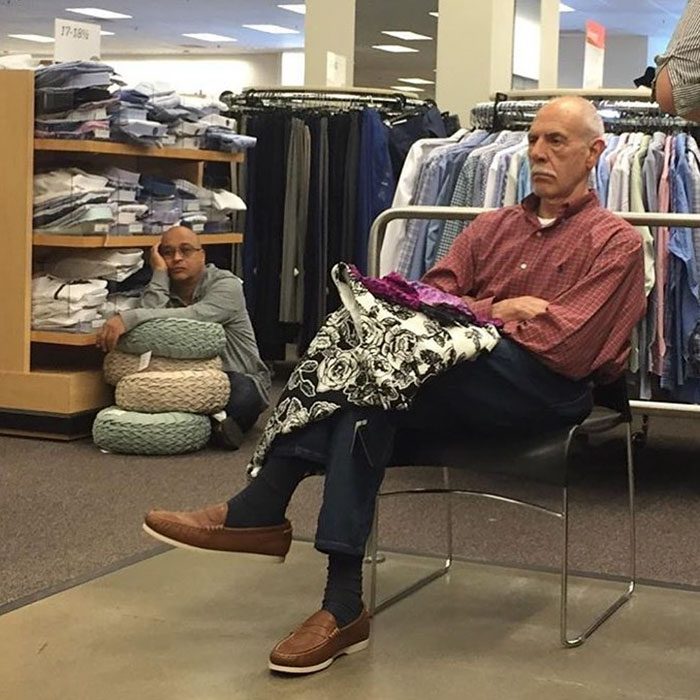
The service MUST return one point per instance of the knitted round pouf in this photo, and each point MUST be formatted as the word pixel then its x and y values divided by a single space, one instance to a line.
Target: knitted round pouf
pixel 156 392
pixel 133 433
pixel 118 365
pixel 179 338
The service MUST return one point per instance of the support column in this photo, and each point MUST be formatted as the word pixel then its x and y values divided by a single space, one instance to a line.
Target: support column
pixel 329 43
pixel 549 44
pixel 474 53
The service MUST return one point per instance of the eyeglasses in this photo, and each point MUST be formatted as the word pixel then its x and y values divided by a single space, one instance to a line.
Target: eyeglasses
pixel 185 251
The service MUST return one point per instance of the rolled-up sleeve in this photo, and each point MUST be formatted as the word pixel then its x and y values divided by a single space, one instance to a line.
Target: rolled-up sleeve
pixel 682 61
pixel 586 330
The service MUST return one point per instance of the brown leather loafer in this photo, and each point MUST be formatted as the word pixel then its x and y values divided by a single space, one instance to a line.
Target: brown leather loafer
pixel 204 530
pixel 318 642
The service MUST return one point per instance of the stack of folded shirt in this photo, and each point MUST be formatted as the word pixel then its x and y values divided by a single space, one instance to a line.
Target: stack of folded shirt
pixel 219 138
pixel 218 206
pixel 112 264
pixel 71 200
pixel 59 304
pixel 160 196
pixel 190 205
pixel 72 100
pixel 129 211
pixel 144 112
pixel 116 303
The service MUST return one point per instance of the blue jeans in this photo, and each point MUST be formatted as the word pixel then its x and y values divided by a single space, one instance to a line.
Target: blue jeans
pixel 505 390
pixel 245 403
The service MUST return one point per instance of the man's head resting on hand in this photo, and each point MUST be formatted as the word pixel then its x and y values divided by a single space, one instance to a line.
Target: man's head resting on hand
pixel 181 253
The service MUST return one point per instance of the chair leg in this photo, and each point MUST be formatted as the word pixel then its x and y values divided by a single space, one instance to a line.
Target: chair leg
pixel 374 607
pixel 563 628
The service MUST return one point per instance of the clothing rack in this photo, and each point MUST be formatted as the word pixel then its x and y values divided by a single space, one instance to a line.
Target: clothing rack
pixel 646 408
pixel 389 101
pixel 620 111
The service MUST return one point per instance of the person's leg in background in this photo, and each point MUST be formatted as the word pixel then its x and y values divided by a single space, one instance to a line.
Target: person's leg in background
pixel 244 406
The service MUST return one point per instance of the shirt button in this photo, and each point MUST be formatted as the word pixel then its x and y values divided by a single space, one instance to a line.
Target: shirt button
pixel 539 234
pixel 523 266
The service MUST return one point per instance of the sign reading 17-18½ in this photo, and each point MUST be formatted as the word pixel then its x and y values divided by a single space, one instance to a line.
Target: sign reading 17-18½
pixel 76 41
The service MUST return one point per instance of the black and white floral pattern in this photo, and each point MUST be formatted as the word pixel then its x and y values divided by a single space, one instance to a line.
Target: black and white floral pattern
pixel 370 352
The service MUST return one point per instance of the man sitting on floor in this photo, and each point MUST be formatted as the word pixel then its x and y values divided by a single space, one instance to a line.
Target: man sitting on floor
pixel 184 286
pixel 566 278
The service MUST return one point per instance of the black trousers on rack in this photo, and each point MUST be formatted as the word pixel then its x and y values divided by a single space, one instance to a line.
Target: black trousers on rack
pixel 263 241
pixel 315 254
pixel 338 135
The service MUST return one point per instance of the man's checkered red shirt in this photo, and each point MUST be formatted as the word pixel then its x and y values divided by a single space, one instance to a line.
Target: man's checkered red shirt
pixel 588 265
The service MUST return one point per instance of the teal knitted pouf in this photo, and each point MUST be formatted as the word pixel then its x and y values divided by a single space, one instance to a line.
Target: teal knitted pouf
pixel 128 432
pixel 178 338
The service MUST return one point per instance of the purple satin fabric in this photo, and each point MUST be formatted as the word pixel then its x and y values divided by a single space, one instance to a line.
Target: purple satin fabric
pixel 416 295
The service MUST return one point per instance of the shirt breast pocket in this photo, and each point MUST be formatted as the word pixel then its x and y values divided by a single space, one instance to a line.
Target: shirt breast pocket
pixel 554 276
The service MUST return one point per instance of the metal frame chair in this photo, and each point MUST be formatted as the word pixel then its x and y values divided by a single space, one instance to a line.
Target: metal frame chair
pixel 546 459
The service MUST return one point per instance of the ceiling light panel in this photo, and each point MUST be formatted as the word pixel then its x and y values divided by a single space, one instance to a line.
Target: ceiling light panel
pixel 104 33
pixel 299 8
pixel 434 14
pixel 408 36
pixel 406 88
pixel 565 8
pixel 39 38
pixel 270 29
pixel 214 38
pixel 416 81
pixel 394 48
pixel 98 12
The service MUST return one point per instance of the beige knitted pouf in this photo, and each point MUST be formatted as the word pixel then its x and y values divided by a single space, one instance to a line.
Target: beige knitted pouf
pixel 118 365
pixel 189 391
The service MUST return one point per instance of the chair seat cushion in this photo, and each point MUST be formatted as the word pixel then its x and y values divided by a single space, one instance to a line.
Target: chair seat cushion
pixel 540 457
pixel 128 432
pixel 178 338
pixel 118 365
pixel 157 392
pixel 601 419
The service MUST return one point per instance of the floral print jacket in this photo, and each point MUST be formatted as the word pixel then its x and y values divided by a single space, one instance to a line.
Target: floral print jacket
pixel 370 352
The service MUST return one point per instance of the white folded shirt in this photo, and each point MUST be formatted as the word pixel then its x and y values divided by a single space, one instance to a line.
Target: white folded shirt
pixel 111 264
pixel 51 288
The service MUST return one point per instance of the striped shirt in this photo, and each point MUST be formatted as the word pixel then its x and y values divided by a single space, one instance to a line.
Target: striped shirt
pixel 682 60
pixel 588 265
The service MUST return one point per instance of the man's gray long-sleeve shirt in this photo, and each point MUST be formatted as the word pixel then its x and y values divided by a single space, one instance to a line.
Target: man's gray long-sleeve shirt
pixel 218 298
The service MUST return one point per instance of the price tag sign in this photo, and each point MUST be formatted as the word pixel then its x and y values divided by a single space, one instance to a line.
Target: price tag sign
pixel 145 360
pixel 76 41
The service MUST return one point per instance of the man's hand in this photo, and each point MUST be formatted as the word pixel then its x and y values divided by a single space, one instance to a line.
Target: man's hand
pixel 108 336
pixel 157 260
pixel 519 308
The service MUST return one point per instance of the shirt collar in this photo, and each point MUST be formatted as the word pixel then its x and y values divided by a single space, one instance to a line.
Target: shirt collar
pixel 531 203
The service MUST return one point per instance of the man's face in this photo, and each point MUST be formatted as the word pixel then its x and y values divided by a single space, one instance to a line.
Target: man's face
pixel 183 254
pixel 561 152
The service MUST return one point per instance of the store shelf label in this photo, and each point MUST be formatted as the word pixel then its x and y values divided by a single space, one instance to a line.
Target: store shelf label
pixel 145 360
pixel 76 41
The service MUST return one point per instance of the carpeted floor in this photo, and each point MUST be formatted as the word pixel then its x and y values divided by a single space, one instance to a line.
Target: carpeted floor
pixel 69 512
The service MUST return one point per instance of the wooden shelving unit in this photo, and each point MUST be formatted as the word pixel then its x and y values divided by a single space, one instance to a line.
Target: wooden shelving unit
pixel 49 384
pixel 120 149
pixel 62 240
pixel 63 338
